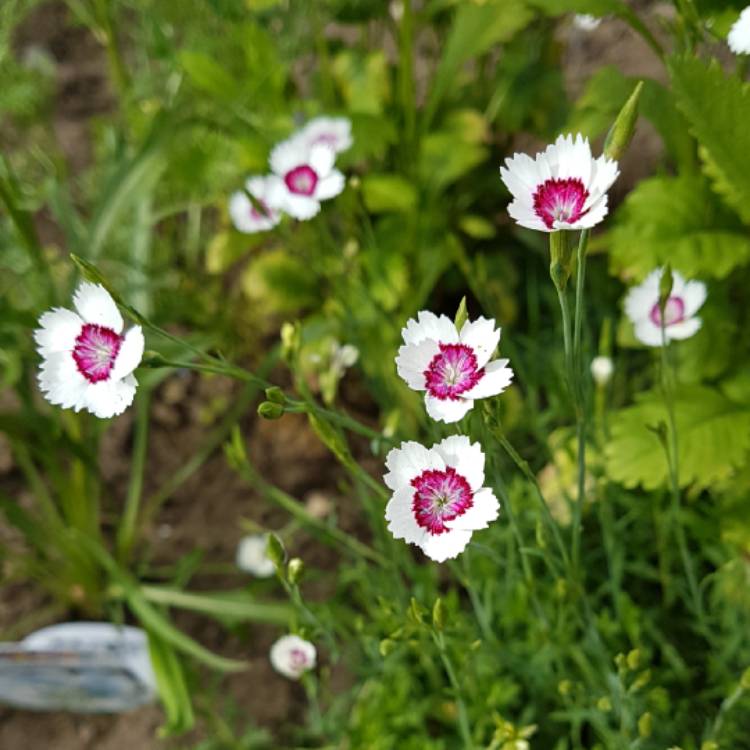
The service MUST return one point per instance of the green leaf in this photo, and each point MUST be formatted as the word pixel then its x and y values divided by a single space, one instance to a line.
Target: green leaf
pixel 593 7
pixel 476 28
pixel 713 437
pixel 717 107
pixel 209 76
pixel 170 682
pixel 680 221
pixel 388 192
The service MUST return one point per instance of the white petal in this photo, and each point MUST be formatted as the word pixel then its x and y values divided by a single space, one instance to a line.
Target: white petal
pixel 449 544
pixel 321 159
pixel 521 176
pixel 595 215
pixel 283 652
pixel 110 397
pixel 335 131
pixel 641 299
pixel 739 35
pixel 61 382
pixel 429 326
pixel 648 333
pixel 685 329
pixel 287 155
pixel 240 211
pixel 400 516
pixel 693 295
pixel 526 217
pixel 300 207
pixel 409 461
pixel 330 186
pixel 485 509
pixel 413 360
pixel 604 172
pixel 465 457
pixel 447 410
pixel 482 336
pixel 573 157
pixel 130 354
pixel 58 331
pixel 496 378
pixel 95 305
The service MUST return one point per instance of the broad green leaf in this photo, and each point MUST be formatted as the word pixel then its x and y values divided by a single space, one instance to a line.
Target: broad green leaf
pixel 680 221
pixel 713 437
pixel 388 192
pixel 717 107
pixel 476 28
pixel 363 80
pixel 209 76
pixel 445 159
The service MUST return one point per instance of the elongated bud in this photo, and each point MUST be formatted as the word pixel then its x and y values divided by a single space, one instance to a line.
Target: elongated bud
pixel 270 410
pixel 645 725
pixel 438 614
pixel 462 314
pixel 416 611
pixel 621 132
pixel 560 257
pixel 745 679
pixel 665 288
pixel 275 551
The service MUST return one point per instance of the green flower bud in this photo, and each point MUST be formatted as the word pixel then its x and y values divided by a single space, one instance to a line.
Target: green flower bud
pixel 462 314
pixel 275 395
pixel 270 410
pixel 621 132
pixel 438 614
pixel 275 550
pixel 645 725
pixel 294 570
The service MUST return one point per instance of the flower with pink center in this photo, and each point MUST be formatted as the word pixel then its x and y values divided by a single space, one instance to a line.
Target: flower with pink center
pixel 335 132
pixel 563 187
pixel 304 176
pixel 87 361
pixel 292 656
pixel 453 367
pixel 679 319
pixel 438 499
pixel 250 217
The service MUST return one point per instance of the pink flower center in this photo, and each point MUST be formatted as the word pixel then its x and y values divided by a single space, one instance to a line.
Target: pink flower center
pixel 298 659
pixel 452 371
pixel 95 351
pixel 560 200
pixel 440 496
pixel 301 180
pixel 674 312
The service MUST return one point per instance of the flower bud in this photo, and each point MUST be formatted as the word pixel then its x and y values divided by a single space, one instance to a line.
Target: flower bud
pixel 621 132
pixel 438 614
pixel 601 370
pixel 270 410
pixel 275 395
pixel 294 570
pixel 645 724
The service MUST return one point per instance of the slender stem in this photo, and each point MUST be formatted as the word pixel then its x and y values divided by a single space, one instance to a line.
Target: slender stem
pixel 406 83
pixel 127 528
pixel 669 375
pixel 463 714
pixel 726 706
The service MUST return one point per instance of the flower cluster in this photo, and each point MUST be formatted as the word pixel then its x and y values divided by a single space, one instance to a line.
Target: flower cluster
pixel 302 175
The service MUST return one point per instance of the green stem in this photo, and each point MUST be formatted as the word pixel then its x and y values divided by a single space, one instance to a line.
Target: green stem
pixel 127 528
pixel 463 714
pixel 669 375
pixel 406 84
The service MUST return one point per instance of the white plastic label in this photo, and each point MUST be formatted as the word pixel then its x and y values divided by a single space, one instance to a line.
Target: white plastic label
pixel 86 667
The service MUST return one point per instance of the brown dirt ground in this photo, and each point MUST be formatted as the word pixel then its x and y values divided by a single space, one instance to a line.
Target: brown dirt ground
pixel 205 513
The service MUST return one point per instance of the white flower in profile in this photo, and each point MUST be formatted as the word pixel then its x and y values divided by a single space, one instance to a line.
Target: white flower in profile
pixel 305 175
pixel 563 187
pixel 252 557
pixel 248 217
pixel 87 362
pixel 335 132
pixel 586 22
pixel 292 656
pixel 453 367
pixel 739 35
pixel 602 369
pixel 680 321
pixel 438 499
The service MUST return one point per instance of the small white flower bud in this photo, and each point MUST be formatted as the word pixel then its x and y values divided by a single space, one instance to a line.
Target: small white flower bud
pixel 601 370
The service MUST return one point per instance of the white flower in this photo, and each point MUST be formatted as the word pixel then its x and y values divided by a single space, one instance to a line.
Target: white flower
pixel 250 218
pixel 602 369
pixel 87 363
pixel 292 656
pixel 343 357
pixel 335 132
pixel 452 367
pixel 438 498
pixel 739 35
pixel 680 322
pixel 564 187
pixel 252 557
pixel 586 22
pixel 305 175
